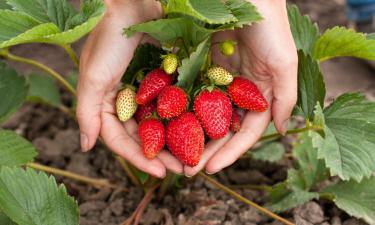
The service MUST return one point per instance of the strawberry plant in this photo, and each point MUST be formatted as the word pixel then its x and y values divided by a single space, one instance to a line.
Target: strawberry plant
pixel 180 100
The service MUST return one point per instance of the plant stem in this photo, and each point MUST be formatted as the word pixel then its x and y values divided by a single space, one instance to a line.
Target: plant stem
pixel 72 54
pixel 129 172
pixel 293 131
pixel 165 184
pixel 6 54
pixel 244 200
pixel 93 181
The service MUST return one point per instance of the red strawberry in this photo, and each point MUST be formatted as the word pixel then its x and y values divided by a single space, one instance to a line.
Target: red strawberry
pixel 152 85
pixel 235 123
pixel 144 111
pixel 246 95
pixel 152 135
pixel 214 111
pixel 172 102
pixel 185 138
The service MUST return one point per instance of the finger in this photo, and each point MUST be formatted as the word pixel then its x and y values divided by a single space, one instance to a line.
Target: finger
pixel 211 148
pixel 169 161
pixel 284 95
pixel 253 126
pixel 117 139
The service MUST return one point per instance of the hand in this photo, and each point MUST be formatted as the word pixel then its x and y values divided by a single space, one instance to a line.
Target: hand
pixel 265 54
pixel 104 59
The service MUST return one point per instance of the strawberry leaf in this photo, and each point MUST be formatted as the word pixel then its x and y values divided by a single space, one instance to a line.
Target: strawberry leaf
pixel 4 5
pixel 4 220
pixel 282 199
pixel 348 143
pixel 370 36
pixel 209 11
pixel 31 198
pixel 270 152
pixel 191 66
pixel 357 199
pixel 13 91
pixel 167 31
pixel 14 149
pixel 340 41
pixel 245 13
pixel 43 89
pixel 311 87
pixel 305 32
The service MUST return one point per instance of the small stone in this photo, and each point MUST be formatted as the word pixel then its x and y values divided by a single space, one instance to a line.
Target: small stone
pixel 92 206
pixel 117 206
pixel 336 220
pixel 251 215
pixel 354 221
pixel 310 212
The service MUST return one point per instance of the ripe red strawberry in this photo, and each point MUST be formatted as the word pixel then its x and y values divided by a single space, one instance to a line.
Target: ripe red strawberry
pixel 152 85
pixel 172 101
pixel 235 123
pixel 246 95
pixel 185 138
pixel 152 135
pixel 214 111
pixel 144 111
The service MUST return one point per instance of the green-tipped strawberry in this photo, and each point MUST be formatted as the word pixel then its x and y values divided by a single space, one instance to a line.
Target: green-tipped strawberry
pixel 246 95
pixel 152 136
pixel 172 101
pixel 125 104
pixel 185 138
pixel 170 63
pixel 152 85
pixel 219 75
pixel 227 47
pixel 214 111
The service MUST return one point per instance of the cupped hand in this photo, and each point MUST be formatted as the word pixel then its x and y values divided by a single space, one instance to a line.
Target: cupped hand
pixel 266 55
pixel 104 59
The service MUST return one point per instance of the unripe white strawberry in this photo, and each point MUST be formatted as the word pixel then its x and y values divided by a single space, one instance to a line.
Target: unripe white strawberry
pixel 219 75
pixel 170 63
pixel 125 104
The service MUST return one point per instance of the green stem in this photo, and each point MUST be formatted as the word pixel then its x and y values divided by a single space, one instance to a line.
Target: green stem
pixel 6 54
pixel 293 131
pixel 72 54
pixel 244 200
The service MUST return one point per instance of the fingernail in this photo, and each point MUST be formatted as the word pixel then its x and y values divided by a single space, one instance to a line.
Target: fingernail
pixel 208 173
pixel 84 142
pixel 188 176
pixel 284 127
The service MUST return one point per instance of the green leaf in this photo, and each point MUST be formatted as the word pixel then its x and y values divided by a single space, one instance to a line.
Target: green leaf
pixel 270 152
pixel 4 5
pixel 209 11
pixel 72 78
pixel 310 169
pixel 43 89
pixel 55 11
pixel 282 199
pixel 13 91
pixel 16 27
pixel 245 13
pixel 311 87
pixel 191 66
pixel 31 198
pixel 167 31
pixel 142 176
pixel 14 149
pixel 305 32
pixel 349 137
pixel 357 199
pixel 370 36
pixel 146 57
pixel 340 41
pixel 4 220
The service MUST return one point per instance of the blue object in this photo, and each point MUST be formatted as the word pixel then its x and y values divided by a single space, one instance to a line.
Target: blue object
pixel 360 10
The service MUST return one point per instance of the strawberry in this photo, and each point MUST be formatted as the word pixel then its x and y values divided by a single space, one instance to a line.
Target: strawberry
pixel 152 85
pixel 172 101
pixel 214 111
pixel 235 123
pixel 219 75
pixel 170 63
pixel 246 95
pixel 185 138
pixel 227 47
pixel 152 136
pixel 125 104
pixel 144 111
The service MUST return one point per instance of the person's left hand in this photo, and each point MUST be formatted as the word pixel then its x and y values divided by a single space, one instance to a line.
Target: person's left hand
pixel 266 55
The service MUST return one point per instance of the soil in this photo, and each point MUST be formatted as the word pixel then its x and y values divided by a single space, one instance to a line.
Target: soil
pixel 56 136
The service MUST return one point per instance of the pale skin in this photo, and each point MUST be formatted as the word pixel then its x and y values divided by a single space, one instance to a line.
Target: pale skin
pixel 266 54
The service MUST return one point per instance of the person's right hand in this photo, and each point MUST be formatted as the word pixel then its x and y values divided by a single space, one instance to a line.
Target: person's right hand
pixel 104 59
